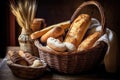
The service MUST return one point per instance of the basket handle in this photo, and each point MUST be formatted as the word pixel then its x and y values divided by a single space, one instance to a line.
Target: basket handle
pixel 100 8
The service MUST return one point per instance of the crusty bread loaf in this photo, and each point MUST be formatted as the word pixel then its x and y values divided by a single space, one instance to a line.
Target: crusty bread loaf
pixel 38 34
pixel 28 57
pixel 16 58
pixel 78 29
pixel 89 41
pixel 37 23
pixel 54 32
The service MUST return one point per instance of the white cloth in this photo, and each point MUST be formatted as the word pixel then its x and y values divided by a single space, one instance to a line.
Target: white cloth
pixel 111 56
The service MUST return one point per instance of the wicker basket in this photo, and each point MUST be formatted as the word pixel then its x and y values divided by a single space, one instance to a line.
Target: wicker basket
pixel 26 72
pixel 76 62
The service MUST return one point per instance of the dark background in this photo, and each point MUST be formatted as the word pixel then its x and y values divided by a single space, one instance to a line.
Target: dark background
pixel 3 26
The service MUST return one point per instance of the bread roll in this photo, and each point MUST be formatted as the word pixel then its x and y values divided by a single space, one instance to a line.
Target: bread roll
pixel 89 41
pixel 55 32
pixel 28 57
pixel 70 47
pixel 36 63
pixel 56 44
pixel 16 58
pixel 38 34
pixel 37 24
pixel 78 29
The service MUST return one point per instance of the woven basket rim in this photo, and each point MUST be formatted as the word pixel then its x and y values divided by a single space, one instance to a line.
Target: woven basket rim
pixel 45 49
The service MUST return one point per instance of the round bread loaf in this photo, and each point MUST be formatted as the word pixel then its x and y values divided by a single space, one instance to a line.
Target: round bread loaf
pixel 56 44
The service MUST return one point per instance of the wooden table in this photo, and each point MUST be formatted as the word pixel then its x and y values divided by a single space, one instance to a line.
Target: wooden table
pixel 97 74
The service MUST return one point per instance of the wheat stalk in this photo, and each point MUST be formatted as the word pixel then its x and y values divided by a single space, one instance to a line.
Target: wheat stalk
pixel 24 11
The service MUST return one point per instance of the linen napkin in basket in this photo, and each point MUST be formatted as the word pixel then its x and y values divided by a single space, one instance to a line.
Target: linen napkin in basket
pixel 111 56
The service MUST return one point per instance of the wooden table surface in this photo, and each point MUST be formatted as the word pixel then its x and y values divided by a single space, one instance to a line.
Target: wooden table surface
pixel 97 74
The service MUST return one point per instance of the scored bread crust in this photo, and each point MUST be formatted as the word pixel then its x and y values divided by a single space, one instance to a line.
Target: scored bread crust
pixel 78 29
pixel 54 32
pixel 89 41
pixel 38 34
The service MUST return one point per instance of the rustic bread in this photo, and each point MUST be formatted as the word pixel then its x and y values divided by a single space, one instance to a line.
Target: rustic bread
pixel 89 41
pixel 78 29
pixel 38 34
pixel 54 32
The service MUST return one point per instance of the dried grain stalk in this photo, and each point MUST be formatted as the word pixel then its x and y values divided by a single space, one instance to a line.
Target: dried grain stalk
pixel 24 11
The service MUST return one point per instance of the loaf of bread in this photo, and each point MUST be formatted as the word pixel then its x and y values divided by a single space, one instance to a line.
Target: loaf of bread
pixel 54 32
pixel 78 29
pixel 38 34
pixel 28 57
pixel 37 63
pixel 70 47
pixel 37 24
pixel 89 41
pixel 59 46
pixel 56 44
pixel 16 58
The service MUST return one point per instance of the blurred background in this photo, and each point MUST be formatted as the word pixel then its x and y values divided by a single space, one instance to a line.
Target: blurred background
pixel 54 11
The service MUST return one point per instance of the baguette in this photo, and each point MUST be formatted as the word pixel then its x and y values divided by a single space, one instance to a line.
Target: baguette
pixel 89 41
pixel 38 34
pixel 78 29
pixel 55 32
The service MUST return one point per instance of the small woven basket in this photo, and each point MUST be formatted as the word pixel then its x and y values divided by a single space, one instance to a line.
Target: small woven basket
pixel 26 72
pixel 75 62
